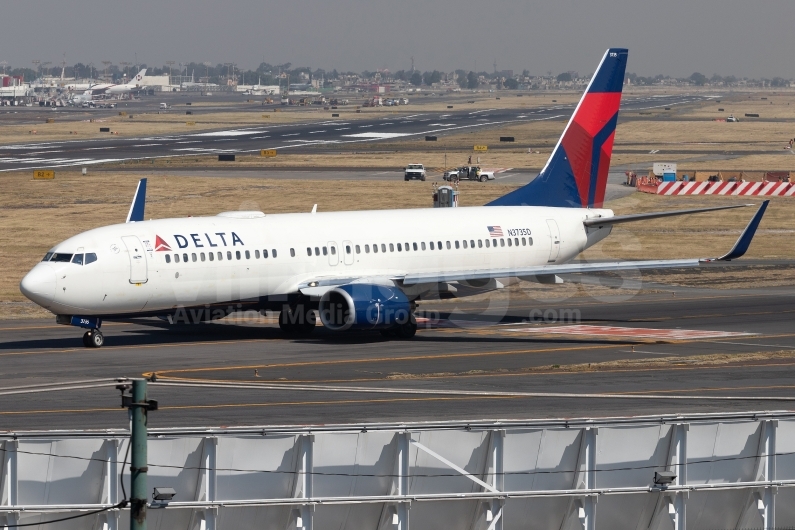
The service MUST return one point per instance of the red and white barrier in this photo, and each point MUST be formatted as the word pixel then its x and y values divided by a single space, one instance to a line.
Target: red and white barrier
pixel 778 189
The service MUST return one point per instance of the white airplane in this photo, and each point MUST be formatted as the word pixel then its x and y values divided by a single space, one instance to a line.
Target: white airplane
pixel 362 270
pixel 133 84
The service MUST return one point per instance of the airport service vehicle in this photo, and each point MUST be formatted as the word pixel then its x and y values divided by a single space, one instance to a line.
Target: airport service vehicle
pixel 732 119
pixel 358 270
pixel 414 171
pixel 164 106
pixel 468 173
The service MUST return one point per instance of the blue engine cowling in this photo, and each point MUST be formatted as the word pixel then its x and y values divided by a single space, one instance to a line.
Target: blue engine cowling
pixel 359 306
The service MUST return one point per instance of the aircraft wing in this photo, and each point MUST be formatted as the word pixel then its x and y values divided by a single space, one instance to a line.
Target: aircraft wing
pixel 546 272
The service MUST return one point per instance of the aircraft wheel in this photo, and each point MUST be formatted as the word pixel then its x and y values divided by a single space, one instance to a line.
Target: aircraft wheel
pixel 93 339
pixel 407 330
pixel 387 333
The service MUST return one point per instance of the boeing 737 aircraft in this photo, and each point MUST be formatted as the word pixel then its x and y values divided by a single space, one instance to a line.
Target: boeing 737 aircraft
pixel 359 270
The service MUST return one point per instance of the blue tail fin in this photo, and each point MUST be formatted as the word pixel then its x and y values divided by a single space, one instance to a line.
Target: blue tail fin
pixel 136 213
pixel 575 175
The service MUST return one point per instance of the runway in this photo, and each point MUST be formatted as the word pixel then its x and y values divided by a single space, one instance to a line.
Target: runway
pixel 407 123
pixel 665 351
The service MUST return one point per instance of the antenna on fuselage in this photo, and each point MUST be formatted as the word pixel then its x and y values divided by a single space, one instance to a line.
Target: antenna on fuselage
pixel 136 212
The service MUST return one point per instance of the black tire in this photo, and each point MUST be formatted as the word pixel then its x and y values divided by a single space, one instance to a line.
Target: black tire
pixel 406 179
pixel 422 178
pixel 484 178
pixel 407 330
pixel 93 339
pixel 301 326
pixel 388 333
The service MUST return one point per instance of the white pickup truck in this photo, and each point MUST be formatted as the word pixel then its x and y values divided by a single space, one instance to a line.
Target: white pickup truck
pixel 414 171
pixel 468 173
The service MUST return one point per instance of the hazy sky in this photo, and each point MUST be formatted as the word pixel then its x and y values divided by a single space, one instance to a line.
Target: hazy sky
pixel 672 37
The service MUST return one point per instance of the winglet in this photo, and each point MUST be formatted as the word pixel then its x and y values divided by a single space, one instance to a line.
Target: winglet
pixel 136 213
pixel 741 246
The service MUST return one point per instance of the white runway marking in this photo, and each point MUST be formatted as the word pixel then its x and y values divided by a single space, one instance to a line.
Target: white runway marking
pixel 376 135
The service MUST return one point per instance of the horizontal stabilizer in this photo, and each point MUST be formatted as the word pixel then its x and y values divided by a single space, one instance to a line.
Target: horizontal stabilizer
pixel 604 221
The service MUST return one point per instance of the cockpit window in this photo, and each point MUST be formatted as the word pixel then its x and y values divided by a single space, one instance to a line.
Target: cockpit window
pixel 78 259
pixel 47 256
pixel 61 258
pixel 90 258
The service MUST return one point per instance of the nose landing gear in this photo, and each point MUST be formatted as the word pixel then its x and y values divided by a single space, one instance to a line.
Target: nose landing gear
pixel 93 339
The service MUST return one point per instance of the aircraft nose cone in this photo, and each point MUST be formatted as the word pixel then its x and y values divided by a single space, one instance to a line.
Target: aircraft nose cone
pixel 39 284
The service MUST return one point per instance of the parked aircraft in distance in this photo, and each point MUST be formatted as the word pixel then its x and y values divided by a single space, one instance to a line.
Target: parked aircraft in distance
pixel 363 270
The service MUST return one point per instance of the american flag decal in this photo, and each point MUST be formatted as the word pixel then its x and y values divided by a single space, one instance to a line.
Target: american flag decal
pixel 495 231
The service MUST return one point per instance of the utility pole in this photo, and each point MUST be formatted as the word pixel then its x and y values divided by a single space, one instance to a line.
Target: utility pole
pixel 139 407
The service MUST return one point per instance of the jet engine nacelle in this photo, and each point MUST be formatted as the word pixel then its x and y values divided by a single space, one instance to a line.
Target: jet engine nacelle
pixel 359 306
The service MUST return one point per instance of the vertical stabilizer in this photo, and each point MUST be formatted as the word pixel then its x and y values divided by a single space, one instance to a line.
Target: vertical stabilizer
pixel 575 176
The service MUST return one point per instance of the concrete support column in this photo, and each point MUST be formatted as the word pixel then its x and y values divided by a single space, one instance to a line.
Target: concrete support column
pixel 497 478
pixel 677 509
pixel 10 485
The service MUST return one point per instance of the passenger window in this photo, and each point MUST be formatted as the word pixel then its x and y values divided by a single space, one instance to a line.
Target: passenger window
pixel 274 253
pixel 383 247
pixel 317 251
pixel 367 249
pixel 400 247
pixel 406 246
pixel 265 253
pixel 237 254
pixel 292 253
pixel 391 247
pixel 229 254
pixel 524 242
pixel 415 246
pixel 201 256
pixel 457 246
pixel 176 258
pixel 509 242
pixel 334 250
pixel 480 243
pixel 465 243
pixel 487 243
pixel 193 256
pixel 375 249
pixel 431 243
pixel 516 241
pixel 78 259
pixel 422 245
pixel 530 241
pixel 448 245
pixel 248 255
pixel 358 249
pixel 471 243
pixel 211 256
pixel 347 249
pixel 185 257
pixel 502 242
pixel 439 244
pixel 325 251
pixel 256 254
pixel 220 256
pixel 168 258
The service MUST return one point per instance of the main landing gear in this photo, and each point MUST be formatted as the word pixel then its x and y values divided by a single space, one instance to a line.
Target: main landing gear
pixel 297 321
pixel 93 339
pixel 404 331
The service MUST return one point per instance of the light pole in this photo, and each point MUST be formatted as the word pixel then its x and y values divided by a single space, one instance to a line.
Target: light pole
pixel 170 64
